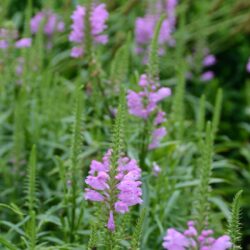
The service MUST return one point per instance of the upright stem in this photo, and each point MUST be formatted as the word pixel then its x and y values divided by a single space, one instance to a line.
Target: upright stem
pixel 144 144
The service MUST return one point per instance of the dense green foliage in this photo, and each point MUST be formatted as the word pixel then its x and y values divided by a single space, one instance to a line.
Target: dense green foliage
pixel 60 114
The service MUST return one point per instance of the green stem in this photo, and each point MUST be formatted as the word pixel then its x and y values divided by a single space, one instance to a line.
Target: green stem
pixel 144 145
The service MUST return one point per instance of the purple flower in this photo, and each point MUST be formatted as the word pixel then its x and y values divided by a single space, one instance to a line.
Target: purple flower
pixel 161 94
pixel 76 52
pixel 191 231
pixel 111 222
pixel 143 82
pixel 248 66
pixel 93 195
pixel 207 76
pixel 50 26
pixel 175 240
pixel 157 135
pixel 222 243
pixel 4 44
pixel 19 67
pixel 160 118
pixel 209 60
pixel 135 105
pixel 156 169
pixel 122 207
pixel 144 29
pixel 60 26
pixel 23 43
pixel 98 18
pixel 35 22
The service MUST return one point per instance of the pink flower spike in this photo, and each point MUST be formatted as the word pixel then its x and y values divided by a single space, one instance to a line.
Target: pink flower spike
pixel 128 185
pixel 111 222
pixel 98 18
pixel 35 22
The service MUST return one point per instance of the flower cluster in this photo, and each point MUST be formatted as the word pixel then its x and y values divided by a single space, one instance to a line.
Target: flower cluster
pixel 52 23
pixel 144 103
pixel 98 18
pixel 144 26
pixel 128 185
pixel 190 239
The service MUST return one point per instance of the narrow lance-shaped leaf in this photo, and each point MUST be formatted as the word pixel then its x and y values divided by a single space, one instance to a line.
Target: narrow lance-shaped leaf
pixel 203 190
pixel 7 244
pixel 31 192
pixel 201 114
pixel 217 111
pixel 234 226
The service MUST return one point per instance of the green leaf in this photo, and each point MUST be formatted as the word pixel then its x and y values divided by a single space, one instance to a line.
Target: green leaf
pixel 13 207
pixel 7 244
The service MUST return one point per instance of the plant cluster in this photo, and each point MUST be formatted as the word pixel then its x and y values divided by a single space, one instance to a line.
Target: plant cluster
pixel 140 84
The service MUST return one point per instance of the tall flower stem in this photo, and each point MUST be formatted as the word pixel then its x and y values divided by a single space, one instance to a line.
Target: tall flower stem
pixel 75 165
pixel 94 66
pixel 144 143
